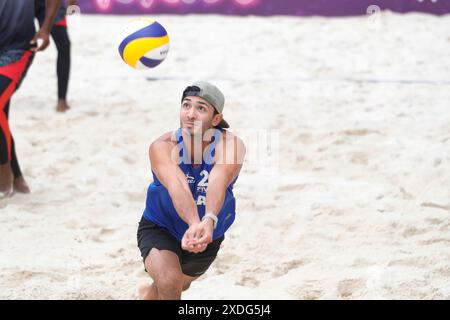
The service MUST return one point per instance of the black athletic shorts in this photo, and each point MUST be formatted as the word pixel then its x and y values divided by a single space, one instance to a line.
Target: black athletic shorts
pixel 151 235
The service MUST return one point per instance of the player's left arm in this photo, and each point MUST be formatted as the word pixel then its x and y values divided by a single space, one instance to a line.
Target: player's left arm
pixel 229 157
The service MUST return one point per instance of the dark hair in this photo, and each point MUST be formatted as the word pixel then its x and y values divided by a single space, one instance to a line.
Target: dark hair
pixel 190 91
pixel 214 114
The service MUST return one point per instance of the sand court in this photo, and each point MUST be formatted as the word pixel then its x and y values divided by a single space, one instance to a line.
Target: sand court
pixel 354 203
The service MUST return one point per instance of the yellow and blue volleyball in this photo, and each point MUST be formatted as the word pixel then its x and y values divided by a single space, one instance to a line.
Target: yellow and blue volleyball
pixel 144 44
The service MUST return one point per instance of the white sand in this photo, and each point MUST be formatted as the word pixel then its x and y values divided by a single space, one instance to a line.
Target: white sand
pixel 358 207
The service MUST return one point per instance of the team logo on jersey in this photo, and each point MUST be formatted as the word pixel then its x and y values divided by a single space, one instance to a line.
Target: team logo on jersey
pixel 189 178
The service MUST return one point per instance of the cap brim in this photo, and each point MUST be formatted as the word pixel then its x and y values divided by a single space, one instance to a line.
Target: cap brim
pixel 223 124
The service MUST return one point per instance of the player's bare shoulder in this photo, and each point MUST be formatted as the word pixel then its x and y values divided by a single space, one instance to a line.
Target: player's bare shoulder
pixel 167 138
pixel 230 149
pixel 229 137
pixel 163 144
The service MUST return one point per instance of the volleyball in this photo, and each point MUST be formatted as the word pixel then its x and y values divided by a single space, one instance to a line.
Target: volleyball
pixel 144 44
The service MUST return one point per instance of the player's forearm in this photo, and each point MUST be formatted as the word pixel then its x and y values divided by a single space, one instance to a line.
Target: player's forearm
pixel 51 7
pixel 215 197
pixel 184 203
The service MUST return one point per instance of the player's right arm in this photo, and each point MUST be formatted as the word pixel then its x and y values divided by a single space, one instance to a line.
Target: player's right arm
pixel 51 8
pixel 171 176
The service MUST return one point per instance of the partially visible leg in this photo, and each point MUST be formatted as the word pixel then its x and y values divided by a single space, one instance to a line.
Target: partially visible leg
pixel 13 67
pixel 165 269
pixel 187 280
pixel 14 162
pixel 20 185
pixel 6 181
pixel 62 42
pixel 147 291
pixel 7 88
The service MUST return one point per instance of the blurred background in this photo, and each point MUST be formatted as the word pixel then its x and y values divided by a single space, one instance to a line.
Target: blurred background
pixel 261 7
pixel 343 105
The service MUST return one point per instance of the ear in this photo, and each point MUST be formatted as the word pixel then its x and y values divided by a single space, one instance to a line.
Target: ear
pixel 216 119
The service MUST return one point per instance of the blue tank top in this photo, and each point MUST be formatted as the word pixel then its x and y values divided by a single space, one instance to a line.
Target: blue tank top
pixel 159 206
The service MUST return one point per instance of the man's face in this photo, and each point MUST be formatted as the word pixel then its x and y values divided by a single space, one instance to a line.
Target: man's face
pixel 197 115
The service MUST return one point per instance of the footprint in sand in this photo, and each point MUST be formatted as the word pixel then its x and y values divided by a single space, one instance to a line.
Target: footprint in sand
pixel 126 264
pixel 339 141
pixel 434 221
pixel 73 160
pixel 288 266
pixel 117 253
pixel 135 196
pixel 129 160
pixel 347 288
pixel 434 241
pixel 107 231
pixel 416 262
pixel 443 271
pixel 92 113
pixel 360 158
pixel 305 138
pixel 309 290
pixel 436 205
pixel 101 234
pixel 225 262
pixel 251 277
pixel 260 207
pixel 292 187
pixel 360 132
pixel 248 281
pixel 412 231
pixel 445 227
pixel 362 263
pixel 20 277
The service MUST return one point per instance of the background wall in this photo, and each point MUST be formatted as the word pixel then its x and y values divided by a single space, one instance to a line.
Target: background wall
pixel 262 7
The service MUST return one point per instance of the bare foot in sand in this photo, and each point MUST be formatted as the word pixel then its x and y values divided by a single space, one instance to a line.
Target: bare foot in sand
pixel 62 106
pixel 147 291
pixel 20 185
pixel 6 181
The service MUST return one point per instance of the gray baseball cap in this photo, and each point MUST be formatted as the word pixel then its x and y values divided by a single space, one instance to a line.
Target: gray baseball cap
pixel 210 93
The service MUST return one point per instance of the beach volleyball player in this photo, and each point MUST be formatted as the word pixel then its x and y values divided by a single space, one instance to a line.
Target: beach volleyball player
pixel 18 43
pixel 61 38
pixel 190 203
